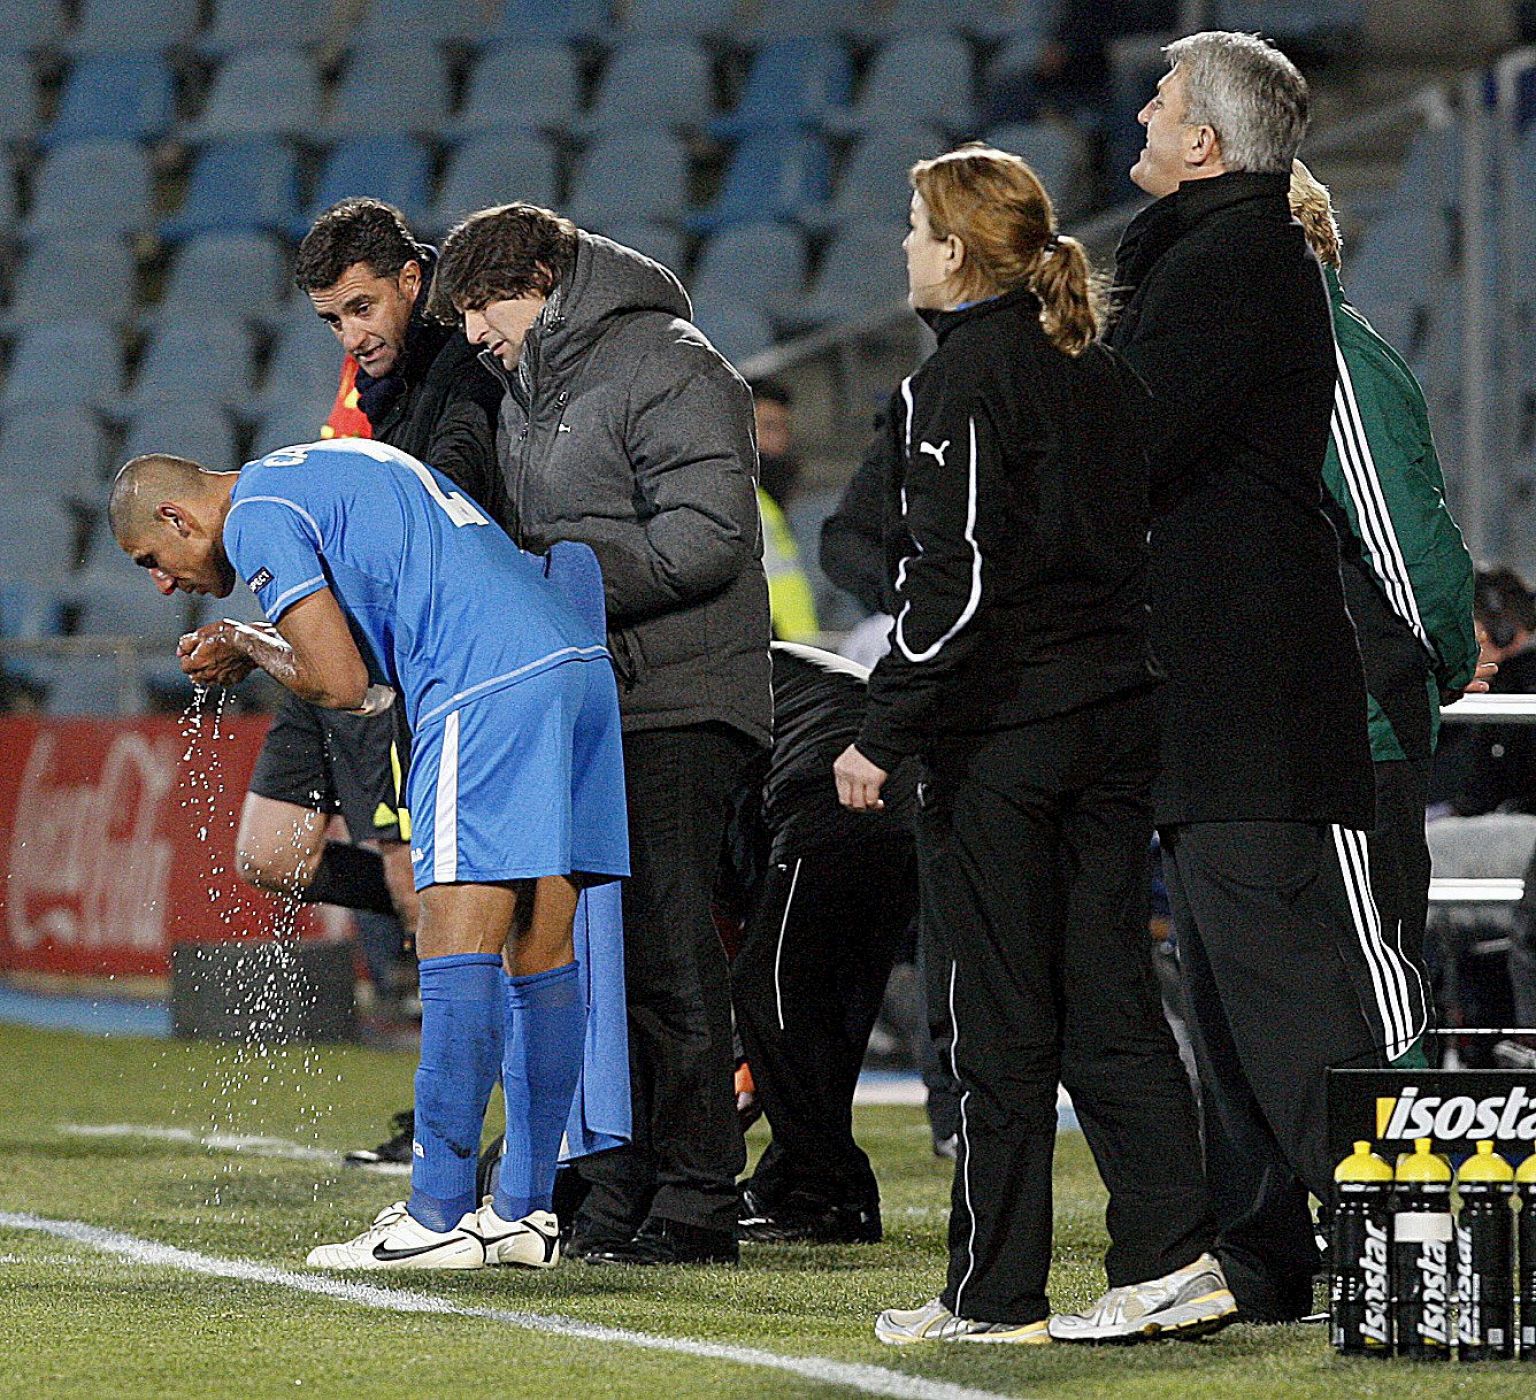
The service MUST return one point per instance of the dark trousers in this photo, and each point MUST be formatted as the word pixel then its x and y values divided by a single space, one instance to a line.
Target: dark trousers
pixel 1270 931
pixel 807 985
pixel 1032 846
pixel 1400 857
pixel 687 1150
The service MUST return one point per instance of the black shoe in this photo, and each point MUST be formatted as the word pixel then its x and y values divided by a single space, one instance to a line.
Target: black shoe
pixel 397 1150
pixel 803 1219
pixel 662 1241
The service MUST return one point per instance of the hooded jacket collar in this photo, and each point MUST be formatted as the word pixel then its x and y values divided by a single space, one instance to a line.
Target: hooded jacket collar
pixel 606 281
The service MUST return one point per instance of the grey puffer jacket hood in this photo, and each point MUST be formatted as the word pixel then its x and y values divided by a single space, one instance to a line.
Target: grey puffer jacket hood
pixel 625 429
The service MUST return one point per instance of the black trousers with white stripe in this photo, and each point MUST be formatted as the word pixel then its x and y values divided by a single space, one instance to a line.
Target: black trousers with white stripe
pixel 1286 973
pixel 1032 849
pixel 807 986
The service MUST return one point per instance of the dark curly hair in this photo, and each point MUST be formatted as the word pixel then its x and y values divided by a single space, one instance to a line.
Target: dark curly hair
pixel 357 230
pixel 499 254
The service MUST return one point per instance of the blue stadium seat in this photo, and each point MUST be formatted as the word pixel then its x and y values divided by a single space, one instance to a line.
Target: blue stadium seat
pixel 93 685
pixel 756 265
pixel 1291 21
pixel 302 373
pixel 29 612
pixel 916 78
pixel 736 330
pixel 194 358
pixel 227 274
pixel 494 170
pixel 286 426
pixel 390 89
pixel 18 113
pixel 29 25
pixel 874 184
pixel 566 21
pixel 195 428
pixel 1405 250
pixel 37 545
pixel 981 19
pixel 519 86
pixel 640 174
pixel 126 26
pixel 659 242
pixel 1054 153
pixel 394 168
pixel 237 184
pixel 92 187
pixel 862 271
pixel 774 174
pixel 792 82
pixel 56 448
pixel 244 100
pixel 70 363
pixel 665 83
pixel 419 24
pixel 71 277
pixel 1009 81
pixel 129 96
pixel 8 203
pixel 677 19
pixel 238 24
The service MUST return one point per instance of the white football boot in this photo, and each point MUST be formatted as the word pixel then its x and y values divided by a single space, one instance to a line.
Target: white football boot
pixel 530 1243
pixel 933 1322
pixel 1189 1302
pixel 396 1240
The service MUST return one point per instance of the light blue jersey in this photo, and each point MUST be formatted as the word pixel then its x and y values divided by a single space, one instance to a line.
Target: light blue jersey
pixel 445 606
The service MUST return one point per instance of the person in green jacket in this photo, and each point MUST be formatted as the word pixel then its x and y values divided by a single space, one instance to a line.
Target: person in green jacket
pixel 1408 580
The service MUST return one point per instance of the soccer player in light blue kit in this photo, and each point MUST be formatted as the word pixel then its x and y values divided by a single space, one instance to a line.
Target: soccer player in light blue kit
pixel 379 577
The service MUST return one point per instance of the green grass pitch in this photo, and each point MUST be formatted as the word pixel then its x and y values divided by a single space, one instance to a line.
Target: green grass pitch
pixel 78 1322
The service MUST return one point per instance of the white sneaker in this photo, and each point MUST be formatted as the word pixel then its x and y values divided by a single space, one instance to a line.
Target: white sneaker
pixel 933 1322
pixel 1189 1302
pixel 396 1240
pixel 530 1243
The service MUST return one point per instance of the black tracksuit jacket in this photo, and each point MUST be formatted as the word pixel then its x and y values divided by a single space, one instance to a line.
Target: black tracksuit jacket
pixel 1015 527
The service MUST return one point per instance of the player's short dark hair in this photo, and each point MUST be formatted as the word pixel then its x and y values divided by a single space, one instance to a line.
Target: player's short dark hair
pixel 773 391
pixel 499 254
pixel 357 230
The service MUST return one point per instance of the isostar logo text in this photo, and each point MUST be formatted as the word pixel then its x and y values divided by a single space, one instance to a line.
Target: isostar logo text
pixel 1373 1266
pixel 1431 1261
pixel 1457 1118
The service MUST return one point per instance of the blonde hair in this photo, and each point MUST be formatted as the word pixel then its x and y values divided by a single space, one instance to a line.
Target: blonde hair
pixel 1314 209
pixel 996 206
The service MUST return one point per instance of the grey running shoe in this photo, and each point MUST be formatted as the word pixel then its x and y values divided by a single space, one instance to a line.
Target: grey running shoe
pixel 1189 1302
pixel 933 1322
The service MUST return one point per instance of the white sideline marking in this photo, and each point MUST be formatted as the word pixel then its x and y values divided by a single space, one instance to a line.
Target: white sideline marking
pixel 256 1146
pixel 869 1380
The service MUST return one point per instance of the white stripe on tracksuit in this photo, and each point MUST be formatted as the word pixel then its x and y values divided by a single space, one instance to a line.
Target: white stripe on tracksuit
pixel 965 1141
pixel 974 600
pixel 445 825
pixel 1401 1001
pixel 1375 520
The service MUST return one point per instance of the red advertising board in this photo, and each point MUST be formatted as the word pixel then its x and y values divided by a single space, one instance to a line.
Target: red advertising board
pixel 117 840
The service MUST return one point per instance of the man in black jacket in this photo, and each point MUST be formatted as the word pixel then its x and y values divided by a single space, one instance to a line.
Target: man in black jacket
pixel 624 429
pixel 422 391
pixel 1266 792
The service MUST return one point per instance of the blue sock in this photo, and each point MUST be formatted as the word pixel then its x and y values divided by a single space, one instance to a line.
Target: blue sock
pixel 545 1037
pixel 461 1028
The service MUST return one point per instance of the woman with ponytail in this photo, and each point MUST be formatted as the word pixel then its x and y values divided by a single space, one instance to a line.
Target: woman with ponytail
pixel 1016 525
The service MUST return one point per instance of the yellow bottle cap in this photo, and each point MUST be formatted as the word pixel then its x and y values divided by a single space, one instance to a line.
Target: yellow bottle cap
pixel 1362 1165
pixel 1485 1165
pixel 1525 1174
pixel 1422 1164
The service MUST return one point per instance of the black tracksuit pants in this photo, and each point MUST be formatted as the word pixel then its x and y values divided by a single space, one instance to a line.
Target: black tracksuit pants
pixel 1286 973
pixel 1400 855
pixel 687 1149
pixel 808 983
pixel 1032 846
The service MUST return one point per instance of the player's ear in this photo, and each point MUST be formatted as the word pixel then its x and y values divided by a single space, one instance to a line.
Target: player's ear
pixel 175 517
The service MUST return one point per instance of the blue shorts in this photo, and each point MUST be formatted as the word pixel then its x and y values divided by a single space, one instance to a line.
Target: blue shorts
pixel 522 782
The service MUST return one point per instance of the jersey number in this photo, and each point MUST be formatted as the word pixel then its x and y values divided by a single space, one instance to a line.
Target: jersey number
pixel 457 506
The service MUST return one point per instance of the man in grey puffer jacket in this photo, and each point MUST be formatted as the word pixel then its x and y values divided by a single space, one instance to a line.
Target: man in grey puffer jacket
pixel 623 428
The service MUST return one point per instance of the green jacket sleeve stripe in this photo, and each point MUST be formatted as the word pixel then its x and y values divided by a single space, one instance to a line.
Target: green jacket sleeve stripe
pixel 1374 519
